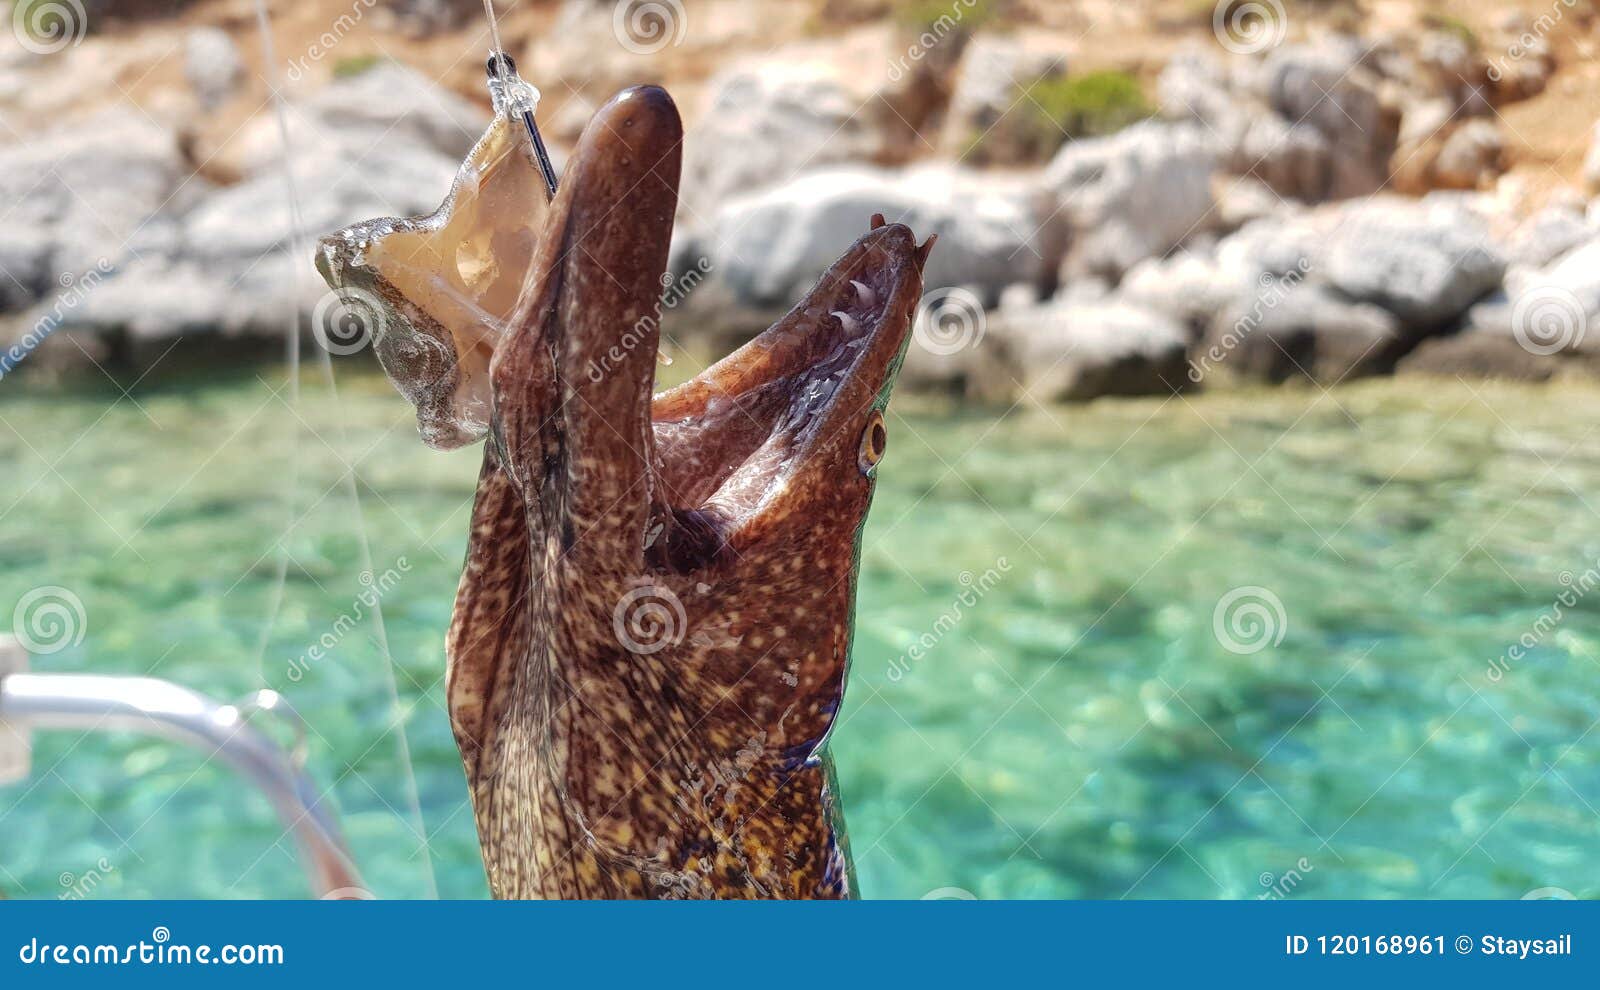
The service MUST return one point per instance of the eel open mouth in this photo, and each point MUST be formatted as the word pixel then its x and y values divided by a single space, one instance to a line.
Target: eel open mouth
pixel 541 319
pixel 802 392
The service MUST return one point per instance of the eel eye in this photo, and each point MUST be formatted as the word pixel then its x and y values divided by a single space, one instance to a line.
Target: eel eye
pixel 874 440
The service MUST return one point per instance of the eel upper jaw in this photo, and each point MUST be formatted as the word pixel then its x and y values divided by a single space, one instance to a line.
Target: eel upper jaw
pixel 747 440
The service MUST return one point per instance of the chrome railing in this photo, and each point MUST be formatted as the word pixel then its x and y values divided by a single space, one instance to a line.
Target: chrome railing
pixel 30 702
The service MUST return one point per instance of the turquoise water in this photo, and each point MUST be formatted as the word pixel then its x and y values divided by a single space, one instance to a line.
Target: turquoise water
pixel 1070 725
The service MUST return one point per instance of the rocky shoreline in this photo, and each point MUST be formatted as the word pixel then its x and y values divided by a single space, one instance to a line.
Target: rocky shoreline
pixel 1319 210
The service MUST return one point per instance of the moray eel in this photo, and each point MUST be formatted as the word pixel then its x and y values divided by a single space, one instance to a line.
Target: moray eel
pixel 652 632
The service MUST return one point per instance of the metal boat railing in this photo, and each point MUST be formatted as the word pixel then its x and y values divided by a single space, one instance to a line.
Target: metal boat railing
pixel 31 702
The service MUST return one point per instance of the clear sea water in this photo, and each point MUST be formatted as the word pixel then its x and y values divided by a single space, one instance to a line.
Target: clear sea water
pixel 1071 725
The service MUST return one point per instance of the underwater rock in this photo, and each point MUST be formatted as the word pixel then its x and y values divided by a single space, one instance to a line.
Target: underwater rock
pixel 1332 88
pixel 382 115
pixel 994 230
pixel 1310 121
pixel 1075 350
pixel 1543 323
pixel 82 195
pixel 1425 261
pixel 229 266
pixel 1462 154
pixel 212 65
pixel 1547 235
pixel 763 122
pixel 1130 195
pixel 1285 331
pixel 1193 284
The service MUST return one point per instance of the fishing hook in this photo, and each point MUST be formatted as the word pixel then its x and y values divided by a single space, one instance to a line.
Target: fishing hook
pixel 512 94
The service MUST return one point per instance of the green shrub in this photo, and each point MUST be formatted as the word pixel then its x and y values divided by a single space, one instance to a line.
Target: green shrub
pixel 927 15
pixel 354 65
pixel 1451 24
pixel 1086 106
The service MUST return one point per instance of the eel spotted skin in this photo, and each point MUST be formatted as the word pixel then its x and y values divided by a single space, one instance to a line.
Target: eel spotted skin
pixel 652 631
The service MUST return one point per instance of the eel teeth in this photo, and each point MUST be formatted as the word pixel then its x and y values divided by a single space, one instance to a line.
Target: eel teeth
pixel 864 294
pixel 851 325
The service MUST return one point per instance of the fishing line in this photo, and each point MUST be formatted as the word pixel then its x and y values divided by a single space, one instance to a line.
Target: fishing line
pixel 299 252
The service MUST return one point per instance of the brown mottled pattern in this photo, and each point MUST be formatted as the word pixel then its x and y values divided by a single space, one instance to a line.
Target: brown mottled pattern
pixel 652 632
